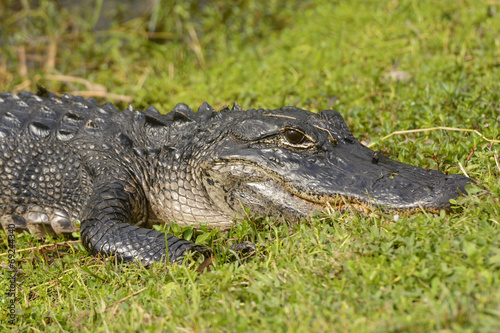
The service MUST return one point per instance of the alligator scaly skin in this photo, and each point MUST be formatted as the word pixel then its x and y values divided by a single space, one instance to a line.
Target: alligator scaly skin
pixel 69 159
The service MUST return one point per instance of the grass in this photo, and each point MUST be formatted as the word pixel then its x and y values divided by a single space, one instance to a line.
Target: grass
pixel 385 65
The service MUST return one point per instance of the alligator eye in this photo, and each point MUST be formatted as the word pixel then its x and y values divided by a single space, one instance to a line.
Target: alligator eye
pixel 294 137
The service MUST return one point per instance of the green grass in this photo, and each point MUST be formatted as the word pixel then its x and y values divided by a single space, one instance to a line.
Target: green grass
pixel 334 273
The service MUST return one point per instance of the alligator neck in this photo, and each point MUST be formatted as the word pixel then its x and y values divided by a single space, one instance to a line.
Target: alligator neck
pixel 177 194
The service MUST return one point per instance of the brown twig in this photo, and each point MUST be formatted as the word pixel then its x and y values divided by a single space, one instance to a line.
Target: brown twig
pixel 68 78
pixel 497 159
pixel 42 246
pixel 205 265
pixel 113 311
pixel 84 93
pixel 194 44
pixel 93 90
pixel 435 129
pixel 23 68
pixel 51 56
pixel 463 170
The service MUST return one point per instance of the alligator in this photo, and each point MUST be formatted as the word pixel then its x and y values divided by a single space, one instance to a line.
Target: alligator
pixel 67 160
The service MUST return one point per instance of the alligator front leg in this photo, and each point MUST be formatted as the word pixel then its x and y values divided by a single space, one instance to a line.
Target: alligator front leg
pixel 105 230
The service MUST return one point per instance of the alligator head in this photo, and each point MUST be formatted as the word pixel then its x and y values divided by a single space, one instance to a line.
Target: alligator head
pixel 290 162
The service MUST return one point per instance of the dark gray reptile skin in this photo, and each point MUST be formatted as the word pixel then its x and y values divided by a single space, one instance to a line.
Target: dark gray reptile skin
pixel 61 161
pixel 69 159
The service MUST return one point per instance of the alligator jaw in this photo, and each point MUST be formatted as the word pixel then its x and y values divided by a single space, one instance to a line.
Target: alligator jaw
pixel 408 190
pixel 256 168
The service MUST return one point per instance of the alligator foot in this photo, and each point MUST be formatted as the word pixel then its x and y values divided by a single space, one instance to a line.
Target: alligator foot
pixel 106 230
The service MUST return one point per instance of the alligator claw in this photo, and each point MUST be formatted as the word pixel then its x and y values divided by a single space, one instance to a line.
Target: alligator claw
pixel 192 250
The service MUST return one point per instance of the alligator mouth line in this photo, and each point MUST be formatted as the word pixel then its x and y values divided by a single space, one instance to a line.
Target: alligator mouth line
pixel 339 204
pixel 337 201
pixel 342 203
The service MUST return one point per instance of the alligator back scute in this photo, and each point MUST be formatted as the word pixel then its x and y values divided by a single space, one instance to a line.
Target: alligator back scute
pixel 43 183
pixel 13 114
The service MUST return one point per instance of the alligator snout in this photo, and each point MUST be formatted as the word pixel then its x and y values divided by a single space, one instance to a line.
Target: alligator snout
pixel 444 189
pixel 415 189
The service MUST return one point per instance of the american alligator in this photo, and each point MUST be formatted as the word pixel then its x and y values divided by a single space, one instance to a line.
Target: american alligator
pixel 66 159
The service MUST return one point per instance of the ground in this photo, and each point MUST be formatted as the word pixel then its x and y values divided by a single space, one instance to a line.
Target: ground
pixel 385 65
